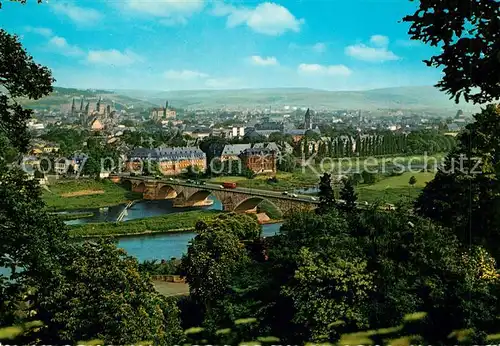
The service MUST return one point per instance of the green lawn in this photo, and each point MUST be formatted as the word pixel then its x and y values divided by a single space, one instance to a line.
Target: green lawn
pixel 392 189
pixel 105 194
pixel 286 181
pixel 157 224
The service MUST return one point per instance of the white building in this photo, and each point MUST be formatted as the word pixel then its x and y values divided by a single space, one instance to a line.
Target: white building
pixel 238 131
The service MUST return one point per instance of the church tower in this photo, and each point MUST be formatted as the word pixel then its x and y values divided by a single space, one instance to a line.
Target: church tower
pixel 307 120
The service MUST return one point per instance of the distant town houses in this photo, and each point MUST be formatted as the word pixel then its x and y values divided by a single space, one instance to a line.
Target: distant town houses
pixel 39 147
pixel 162 114
pixel 261 157
pixel 259 160
pixel 171 161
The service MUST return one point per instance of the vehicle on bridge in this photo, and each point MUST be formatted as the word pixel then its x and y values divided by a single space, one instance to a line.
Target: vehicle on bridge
pixel 229 185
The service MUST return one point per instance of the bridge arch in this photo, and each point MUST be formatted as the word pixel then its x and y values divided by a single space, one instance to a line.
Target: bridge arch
pixel 166 192
pixel 126 184
pixel 198 196
pixel 140 188
pixel 253 202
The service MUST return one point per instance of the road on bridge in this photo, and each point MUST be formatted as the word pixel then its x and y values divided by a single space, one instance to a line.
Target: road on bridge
pixel 254 192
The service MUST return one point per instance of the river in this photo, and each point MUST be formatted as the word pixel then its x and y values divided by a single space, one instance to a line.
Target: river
pixel 166 246
pixel 139 210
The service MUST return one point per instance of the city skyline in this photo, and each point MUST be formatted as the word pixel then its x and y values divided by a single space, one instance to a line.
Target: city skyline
pixel 191 45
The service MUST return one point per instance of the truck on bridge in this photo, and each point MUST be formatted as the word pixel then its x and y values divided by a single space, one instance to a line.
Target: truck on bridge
pixel 229 185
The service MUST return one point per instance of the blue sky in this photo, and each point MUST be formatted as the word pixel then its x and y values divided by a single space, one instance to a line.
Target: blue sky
pixel 199 44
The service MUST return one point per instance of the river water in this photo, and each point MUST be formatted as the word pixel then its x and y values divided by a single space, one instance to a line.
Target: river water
pixel 139 210
pixel 166 246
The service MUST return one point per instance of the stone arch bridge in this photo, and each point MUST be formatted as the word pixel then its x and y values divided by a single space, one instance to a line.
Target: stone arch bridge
pixel 184 194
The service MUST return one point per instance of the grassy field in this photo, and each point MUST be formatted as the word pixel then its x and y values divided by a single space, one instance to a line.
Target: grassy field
pixel 83 194
pixel 393 189
pixel 286 181
pixel 309 176
pixel 157 224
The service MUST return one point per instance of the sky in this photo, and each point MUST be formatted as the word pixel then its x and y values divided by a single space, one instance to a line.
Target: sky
pixel 200 44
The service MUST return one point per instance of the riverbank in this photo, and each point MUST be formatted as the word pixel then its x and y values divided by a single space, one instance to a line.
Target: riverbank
pixel 86 194
pixel 165 224
pixel 73 216
pixel 170 223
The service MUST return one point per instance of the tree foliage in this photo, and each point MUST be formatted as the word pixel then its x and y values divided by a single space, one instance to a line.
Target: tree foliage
pixel 99 293
pixel 348 195
pixel 467 34
pixel 20 76
pixel 465 193
pixel 326 197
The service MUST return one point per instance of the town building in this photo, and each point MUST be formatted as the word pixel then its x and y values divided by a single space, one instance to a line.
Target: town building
pixel 308 120
pixel 259 160
pixel 171 161
pixel 237 131
pixel 162 113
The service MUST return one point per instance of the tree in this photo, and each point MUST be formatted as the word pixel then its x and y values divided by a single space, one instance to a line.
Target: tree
pixel 465 193
pixel 21 77
pixel 348 195
pixel 100 294
pixel 326 288
pixel 466 32
pixel 326 196
pixel 368 177
pixel 412 183
pixel 213 258
pixel 30 238
pixel 287 163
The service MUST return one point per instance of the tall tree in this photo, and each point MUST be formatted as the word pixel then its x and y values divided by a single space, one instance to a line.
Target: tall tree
pixel 348 195
pixel 467 34
pixel 326 196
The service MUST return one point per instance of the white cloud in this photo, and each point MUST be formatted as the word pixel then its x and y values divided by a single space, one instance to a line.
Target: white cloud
pixel 377 51
pixel 172 12
pixel 221 83
pixel 319 47
pixel 60 45
pixel 46 32
pixel 264 61
pixel 267 18
pixel 184 74
pixel 113 57
pixel 79 15
pixel 379 40
pixel 324 70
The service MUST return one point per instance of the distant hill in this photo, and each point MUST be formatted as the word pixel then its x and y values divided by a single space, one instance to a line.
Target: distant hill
pixel 64 96
pixel 424 98
pixel 417 98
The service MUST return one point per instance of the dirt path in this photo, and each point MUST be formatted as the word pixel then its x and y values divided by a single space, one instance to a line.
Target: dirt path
pixel 82 193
